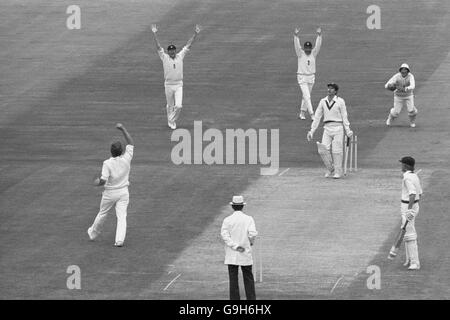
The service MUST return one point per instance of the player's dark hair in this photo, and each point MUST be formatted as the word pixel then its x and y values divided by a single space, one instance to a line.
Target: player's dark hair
pixel 237 207
pixel 116 149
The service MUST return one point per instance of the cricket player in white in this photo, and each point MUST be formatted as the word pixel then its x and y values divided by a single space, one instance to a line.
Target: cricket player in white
pixel 173 75
pixel 335 120
pixel 115 173
pixel 306 70
pixel 411 193
pixel 403 84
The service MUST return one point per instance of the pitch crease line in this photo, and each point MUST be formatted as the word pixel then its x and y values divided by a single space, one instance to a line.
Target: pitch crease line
pixel 174 279
pixel 337 282
pixel 283 172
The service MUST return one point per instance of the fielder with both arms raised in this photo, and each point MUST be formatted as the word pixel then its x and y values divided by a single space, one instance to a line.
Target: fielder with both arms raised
pixel 306 70
pixel 173 75
pixel 335 120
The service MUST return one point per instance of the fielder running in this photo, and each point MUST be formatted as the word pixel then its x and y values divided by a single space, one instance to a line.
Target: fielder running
pixel 115 173
pixel 411 194
pixel 335 120
pixel 306 70
pixel 173 75
pixel 403 84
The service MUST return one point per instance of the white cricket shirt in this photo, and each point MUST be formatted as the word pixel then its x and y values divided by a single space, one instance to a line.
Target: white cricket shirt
pixel 236 229
pixel 408 84
pixel 116 170
pixel 307 63
pixel 411 185
pixel 334 111
pixel 173 68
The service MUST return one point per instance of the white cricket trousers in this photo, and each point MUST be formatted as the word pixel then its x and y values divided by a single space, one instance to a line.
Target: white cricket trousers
pixel 306 84
pixel 333 137
pixel 174 98
pixel 399 102
pixel 120 199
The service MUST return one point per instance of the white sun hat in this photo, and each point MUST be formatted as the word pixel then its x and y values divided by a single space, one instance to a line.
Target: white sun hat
pixel 238 200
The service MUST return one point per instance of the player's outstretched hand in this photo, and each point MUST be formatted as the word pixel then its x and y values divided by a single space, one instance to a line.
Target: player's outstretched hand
pixel 296 31
pixel 119 126
pixel 319 31
pixel 154 28
pixel 198 28
pixel 309 136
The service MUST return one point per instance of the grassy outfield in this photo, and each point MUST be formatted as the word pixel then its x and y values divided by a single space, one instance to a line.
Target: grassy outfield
pixel 63 91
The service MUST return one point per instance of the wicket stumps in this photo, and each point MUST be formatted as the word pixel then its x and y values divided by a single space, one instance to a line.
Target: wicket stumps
pixel 352 144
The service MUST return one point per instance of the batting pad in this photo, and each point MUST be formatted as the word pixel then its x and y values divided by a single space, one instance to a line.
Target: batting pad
pixel 325 154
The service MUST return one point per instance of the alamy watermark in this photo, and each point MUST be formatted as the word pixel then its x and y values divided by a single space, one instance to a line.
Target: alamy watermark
pixel 74 280
pixel 228 148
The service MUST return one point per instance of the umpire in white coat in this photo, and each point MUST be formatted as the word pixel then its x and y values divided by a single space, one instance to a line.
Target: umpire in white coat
pixel 239 233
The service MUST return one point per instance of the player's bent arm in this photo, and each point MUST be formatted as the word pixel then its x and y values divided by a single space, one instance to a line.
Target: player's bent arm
pixel 127 136
pixel 412 83
pixel 390 82
pixel 412 199
pixel 226 237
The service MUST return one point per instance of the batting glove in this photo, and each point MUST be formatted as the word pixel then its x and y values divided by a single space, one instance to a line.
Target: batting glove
pixel 309 136
pixel 409 214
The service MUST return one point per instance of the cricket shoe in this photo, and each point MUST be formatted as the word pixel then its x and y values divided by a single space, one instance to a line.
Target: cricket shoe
pixel 337 176
pixel 118 244
pixel 413 125
pixel 172 125
pixel 414 266
pixel 329 174
pixel 388 121
pixel 407 263
pixel 302 115
pixel 92 233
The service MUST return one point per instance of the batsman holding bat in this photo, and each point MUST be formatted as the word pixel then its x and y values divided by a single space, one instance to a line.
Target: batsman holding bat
pixel 336 123
pixel 411 193
pixel 402 84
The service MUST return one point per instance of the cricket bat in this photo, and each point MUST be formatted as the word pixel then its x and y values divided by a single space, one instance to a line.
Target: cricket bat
pixel 347 145
pixel 398 242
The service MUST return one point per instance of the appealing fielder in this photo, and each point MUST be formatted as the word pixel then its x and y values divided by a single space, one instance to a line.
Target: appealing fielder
pixel 306 70
pixel 114 177
pixel 173 75
pixel 335 120
pixel 411 194
pixel 403 84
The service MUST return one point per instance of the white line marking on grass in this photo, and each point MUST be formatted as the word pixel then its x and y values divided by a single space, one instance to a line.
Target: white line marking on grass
pixel 119 272
pixel 337 282
pixel 174 279
pixel 284 171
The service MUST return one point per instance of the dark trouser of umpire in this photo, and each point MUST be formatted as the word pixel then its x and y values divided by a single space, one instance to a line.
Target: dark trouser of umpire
pixel 249 282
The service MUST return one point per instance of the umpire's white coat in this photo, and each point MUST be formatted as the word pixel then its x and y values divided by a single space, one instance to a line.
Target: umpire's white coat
pixel 236 229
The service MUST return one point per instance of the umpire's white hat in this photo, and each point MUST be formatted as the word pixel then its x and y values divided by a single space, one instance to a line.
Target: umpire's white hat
pixel 239 200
